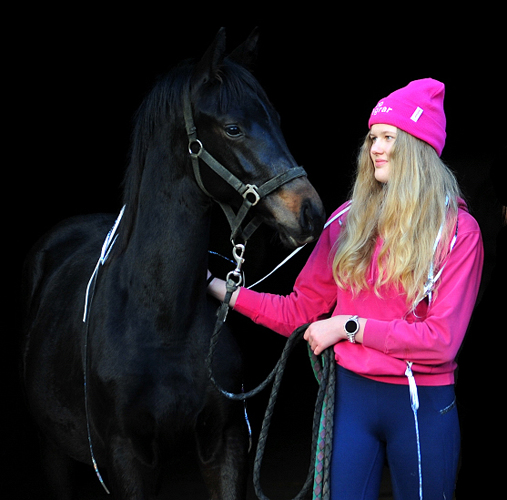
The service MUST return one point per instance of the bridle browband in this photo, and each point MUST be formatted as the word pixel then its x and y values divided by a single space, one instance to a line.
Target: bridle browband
pixel 250 193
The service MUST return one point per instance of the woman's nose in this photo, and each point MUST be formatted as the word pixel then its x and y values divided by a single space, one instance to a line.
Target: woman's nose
pixel 376 148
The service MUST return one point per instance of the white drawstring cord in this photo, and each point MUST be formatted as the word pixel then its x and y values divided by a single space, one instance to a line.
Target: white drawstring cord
pixel 414 403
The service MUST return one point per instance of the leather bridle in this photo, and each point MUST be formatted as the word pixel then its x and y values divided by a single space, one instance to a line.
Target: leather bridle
pixel 250 193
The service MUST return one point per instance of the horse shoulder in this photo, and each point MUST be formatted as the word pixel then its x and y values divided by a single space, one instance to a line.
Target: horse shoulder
pixel 74 235
pixel 59 265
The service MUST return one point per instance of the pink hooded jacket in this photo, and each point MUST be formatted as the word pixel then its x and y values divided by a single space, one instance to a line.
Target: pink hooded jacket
pixel 430 339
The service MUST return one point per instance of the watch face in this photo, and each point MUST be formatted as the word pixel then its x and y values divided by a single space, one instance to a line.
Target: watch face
pixel 350 326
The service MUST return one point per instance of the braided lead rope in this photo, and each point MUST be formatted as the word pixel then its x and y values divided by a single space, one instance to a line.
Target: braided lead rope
pixel 321 428
pixel 322 479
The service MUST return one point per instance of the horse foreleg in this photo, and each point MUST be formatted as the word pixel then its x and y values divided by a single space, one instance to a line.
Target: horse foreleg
pixel 58 470
pixel 223 449
pixel 126 479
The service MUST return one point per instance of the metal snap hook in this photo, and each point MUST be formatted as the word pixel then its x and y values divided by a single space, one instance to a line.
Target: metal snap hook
pixel 237 252
pixel 235 278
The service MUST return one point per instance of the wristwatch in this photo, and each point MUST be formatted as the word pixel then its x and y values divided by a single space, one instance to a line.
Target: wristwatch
pixel 351 327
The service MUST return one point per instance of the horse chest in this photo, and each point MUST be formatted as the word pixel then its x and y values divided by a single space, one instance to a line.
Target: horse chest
pixel 156 382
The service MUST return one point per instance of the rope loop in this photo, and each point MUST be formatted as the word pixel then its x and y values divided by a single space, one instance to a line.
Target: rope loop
pixel 322 428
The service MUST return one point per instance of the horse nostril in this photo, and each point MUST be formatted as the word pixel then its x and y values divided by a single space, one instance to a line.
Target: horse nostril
pixel 306 217
pixel 310 218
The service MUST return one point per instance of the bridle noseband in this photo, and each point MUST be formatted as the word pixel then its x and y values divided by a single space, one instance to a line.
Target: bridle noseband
pixel 251 193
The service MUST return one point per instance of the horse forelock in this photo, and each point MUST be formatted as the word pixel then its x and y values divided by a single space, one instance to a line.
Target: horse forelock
pixel 232 85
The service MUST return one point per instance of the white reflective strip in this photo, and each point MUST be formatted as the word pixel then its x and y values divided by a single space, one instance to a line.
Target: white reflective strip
pixel 104 254
pixel 278 266
pixel 327 224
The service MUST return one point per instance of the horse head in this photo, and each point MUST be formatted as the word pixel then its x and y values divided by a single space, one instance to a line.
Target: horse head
pixel 240 128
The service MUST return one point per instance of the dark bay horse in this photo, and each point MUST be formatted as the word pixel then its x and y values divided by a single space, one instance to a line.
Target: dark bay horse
pixel 149 325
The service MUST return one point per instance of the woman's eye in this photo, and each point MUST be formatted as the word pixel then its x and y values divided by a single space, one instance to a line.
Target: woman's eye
pixel 233 130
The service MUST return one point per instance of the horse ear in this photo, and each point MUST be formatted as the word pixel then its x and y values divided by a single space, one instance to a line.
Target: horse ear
pixel 246 53
pixel 207 68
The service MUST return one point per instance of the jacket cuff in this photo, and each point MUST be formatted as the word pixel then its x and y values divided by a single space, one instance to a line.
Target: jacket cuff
pixel 248 303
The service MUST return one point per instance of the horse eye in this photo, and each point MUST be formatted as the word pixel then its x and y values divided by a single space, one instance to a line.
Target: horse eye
pixel 233 131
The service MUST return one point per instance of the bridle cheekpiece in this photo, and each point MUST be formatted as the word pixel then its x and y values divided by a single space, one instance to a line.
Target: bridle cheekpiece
pixel 250 193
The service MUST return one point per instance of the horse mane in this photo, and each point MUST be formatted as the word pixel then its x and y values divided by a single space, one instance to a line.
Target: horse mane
pixel 159 111
pixel 161 115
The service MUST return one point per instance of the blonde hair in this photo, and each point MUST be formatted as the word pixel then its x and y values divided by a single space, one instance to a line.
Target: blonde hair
pixel 407 213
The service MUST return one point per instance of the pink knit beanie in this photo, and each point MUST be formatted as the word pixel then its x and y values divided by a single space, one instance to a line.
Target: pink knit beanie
pixel 417 109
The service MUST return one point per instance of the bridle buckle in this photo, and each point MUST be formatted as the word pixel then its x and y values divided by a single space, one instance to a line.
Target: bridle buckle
pixel 250 191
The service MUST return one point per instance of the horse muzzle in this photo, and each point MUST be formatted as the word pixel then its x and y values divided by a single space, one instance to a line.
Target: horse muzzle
pixel 296 211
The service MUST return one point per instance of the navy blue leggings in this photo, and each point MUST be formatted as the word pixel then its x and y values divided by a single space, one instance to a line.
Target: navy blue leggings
pixel 374 420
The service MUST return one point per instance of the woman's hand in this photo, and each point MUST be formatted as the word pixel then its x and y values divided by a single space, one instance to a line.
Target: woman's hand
pixel 217 288
pixel 325 333
pixel 328 332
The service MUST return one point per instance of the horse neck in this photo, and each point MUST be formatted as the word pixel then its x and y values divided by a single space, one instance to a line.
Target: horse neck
pixel 166 257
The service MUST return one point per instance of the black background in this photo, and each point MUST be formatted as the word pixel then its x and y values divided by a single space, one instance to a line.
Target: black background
pixel 75 77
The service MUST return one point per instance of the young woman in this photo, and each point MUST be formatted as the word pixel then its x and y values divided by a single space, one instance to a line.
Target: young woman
pixel 391 285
